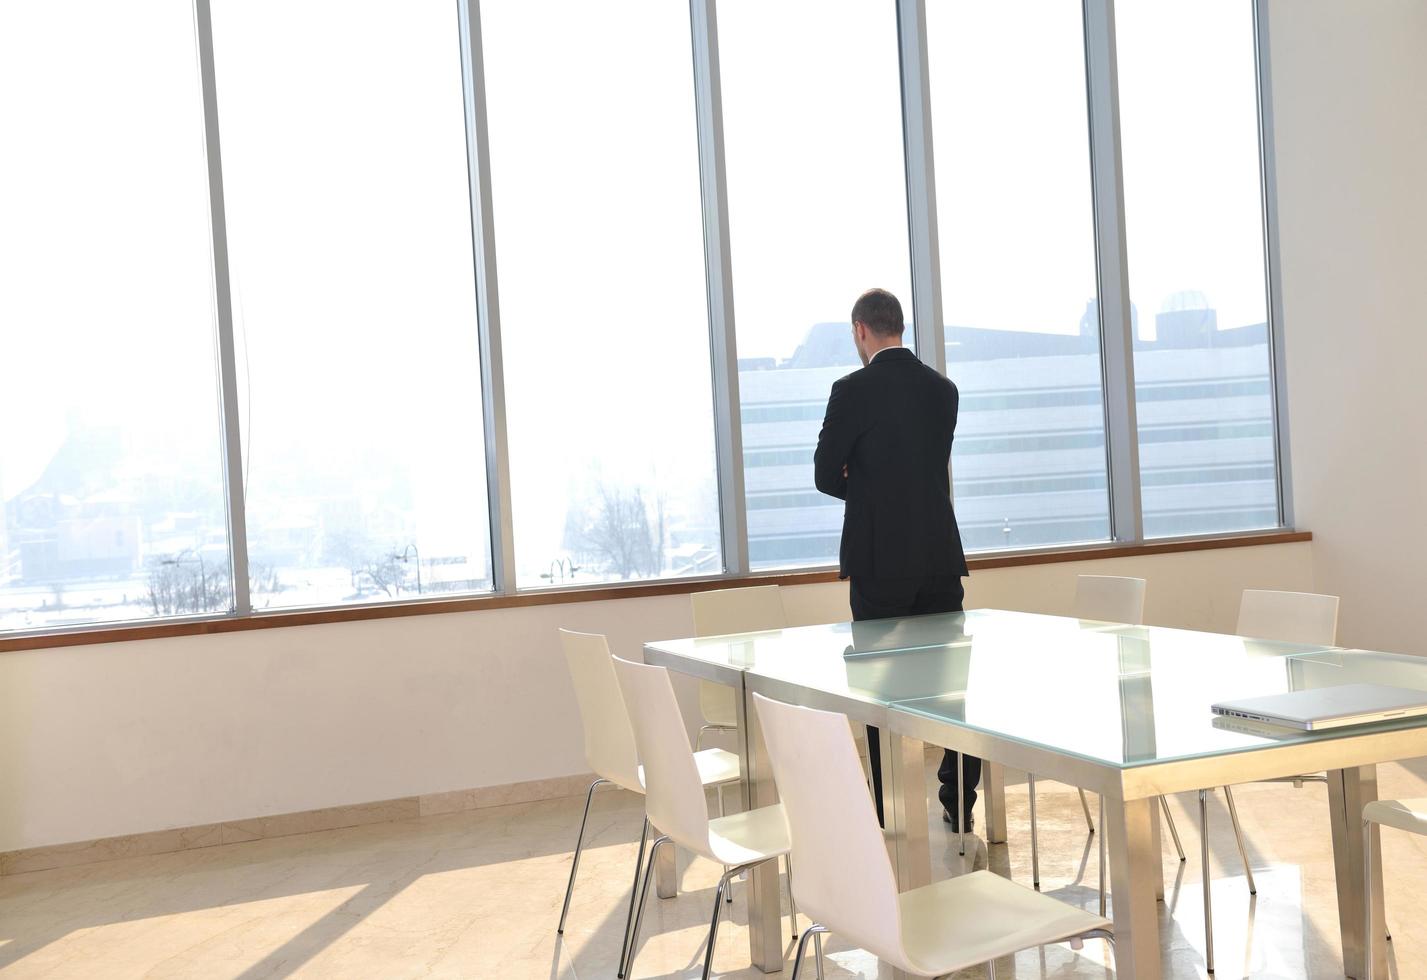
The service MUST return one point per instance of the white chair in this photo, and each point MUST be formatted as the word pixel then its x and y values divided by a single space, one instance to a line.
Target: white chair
pixel 724 611
pixel 610 750
pixel 1108 599
pixel 1408 815
pixel 845 879
pixel 675 799
pixel 1287 617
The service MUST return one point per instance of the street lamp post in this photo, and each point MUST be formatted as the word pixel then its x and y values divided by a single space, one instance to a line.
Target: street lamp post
pixel 564 565
pixel 405 555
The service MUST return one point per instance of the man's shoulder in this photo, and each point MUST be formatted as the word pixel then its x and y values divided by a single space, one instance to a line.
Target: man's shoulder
pixel 851 381
pixel 907 370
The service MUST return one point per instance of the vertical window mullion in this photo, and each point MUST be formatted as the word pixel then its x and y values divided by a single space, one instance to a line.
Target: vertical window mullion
pixel 723 341
pixel 1112 271
pixel 223 301
pixel 502 523
pixel 1269 183
pixel 921 184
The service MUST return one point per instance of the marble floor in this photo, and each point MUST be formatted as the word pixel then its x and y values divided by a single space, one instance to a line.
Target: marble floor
pixel 477 895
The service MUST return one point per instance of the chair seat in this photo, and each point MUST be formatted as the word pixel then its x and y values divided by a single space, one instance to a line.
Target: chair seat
pixel 749 837
pixel 973 918
pixel 1409 815
pixel 716 767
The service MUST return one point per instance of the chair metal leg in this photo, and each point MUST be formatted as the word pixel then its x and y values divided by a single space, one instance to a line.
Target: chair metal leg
pixel 1085 805
pixel 1239 839
pixel 718 790
pixel 991 969
pixel 575 864
pixel 818 953
pixel 1173 830
pixel 723 886
pixel 1204 870
pixel 814 931
pixel 792 903
pixel 1035 835
pixel 633 898
pixel 1104 856
pixel 643 901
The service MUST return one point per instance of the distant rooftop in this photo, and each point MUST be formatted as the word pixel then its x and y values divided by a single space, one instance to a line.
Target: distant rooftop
pixel 1185 324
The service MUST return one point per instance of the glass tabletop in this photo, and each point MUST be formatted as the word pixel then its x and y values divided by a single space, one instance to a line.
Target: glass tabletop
pixel 1136 696
pixel 857 659
pixel 1115 694
pixel 744 650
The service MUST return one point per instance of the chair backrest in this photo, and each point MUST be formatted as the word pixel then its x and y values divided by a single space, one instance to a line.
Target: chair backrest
pixel 1290 617
pixel 1110 599
pixel 673 793
pixel 759 607
pixel 844 878
pixel 609 739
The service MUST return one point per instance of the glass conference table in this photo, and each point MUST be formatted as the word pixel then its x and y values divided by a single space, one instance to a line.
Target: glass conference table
pixel 1122 711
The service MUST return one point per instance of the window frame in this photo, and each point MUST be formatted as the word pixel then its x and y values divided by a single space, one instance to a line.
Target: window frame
pixel 1116 330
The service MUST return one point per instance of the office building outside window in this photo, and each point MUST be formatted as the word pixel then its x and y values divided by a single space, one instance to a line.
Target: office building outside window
pixel 1018 290
pixel 1195 242
pixel 817 207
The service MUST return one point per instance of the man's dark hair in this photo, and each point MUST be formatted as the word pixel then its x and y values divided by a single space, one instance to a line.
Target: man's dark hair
pixel 880 311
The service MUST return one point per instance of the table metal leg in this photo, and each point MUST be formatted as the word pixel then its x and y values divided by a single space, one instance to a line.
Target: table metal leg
pixel 1135 867
pixel 904 806
pixel 1349 790
pixel 993 795
pixel 904 802
pixel 765 923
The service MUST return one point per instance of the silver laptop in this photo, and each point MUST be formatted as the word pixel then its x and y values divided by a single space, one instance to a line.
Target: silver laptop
pixel 1328 707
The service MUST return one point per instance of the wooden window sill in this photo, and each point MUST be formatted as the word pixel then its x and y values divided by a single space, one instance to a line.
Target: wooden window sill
pixel 551 597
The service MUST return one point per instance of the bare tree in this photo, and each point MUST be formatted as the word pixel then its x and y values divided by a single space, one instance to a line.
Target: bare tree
pixel 185 583
pixel 386 571
pixel 368 564
pixel 618 531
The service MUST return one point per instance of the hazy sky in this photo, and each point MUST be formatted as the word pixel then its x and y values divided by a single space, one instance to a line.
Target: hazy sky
pixel 105 273
pixel 817 194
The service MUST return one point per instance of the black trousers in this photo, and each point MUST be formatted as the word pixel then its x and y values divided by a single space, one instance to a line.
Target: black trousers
pixel 914 597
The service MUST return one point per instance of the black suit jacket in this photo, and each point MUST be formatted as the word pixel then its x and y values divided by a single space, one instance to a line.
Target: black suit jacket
pixel 891 425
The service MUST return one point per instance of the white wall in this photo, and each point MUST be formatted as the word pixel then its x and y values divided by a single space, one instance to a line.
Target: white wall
pixel 1350 119
pixel 98 741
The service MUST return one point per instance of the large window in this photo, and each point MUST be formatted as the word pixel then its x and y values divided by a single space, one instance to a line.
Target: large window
pixel 344 155
pixel 817 213
pixel 604 319
pixel 111 499
pixel 1017 244
pixel 1194 228
pixel 362 384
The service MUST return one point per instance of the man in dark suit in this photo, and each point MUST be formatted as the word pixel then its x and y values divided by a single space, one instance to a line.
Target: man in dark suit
pixel 885 448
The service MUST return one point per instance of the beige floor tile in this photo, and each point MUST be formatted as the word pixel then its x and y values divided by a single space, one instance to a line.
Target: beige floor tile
pixel 477 894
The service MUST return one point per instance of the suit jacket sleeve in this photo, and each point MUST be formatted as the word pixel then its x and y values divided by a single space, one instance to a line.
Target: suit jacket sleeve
pixel 839 432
